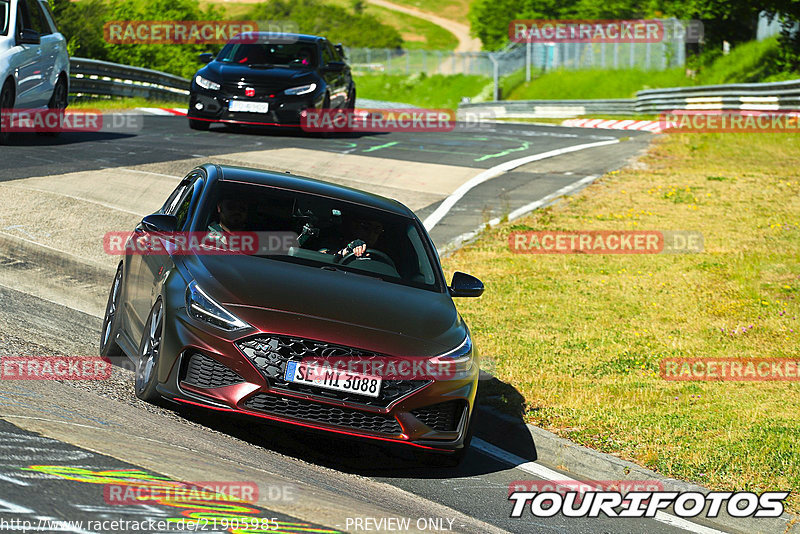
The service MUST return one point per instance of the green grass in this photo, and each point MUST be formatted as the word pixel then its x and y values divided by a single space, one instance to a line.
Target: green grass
pixel 592 83
pixel 417 33
pixel 754 61
pixel 438 91
pixel 576 340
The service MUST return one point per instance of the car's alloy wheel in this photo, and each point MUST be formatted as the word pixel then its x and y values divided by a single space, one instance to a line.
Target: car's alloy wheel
pixel 149 350
pixel 108 346
pixel 6 103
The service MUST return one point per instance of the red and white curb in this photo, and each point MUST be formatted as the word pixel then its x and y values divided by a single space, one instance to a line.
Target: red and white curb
pixel 615 124
pixel 169 112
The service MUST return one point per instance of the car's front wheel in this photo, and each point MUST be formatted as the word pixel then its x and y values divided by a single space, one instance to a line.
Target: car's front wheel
pixel 201 125
pixel 149 350
pixel 6 104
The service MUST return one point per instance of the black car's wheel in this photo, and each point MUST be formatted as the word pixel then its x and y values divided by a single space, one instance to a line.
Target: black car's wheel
pixel 6 103
pixel 108 345
pixel 149 348
pixel 57 102
pixel 195 124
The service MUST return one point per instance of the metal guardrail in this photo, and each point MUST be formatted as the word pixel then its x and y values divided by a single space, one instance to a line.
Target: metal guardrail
pixel 776 96
pixel 738 96
pixel 551 108
pixel 102 78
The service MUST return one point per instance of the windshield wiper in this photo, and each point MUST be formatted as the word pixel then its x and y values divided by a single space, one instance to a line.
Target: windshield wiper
pixel 260 65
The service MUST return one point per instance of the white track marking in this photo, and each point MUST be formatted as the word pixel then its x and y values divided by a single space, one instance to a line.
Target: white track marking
pixel 554 476
pixel 497 170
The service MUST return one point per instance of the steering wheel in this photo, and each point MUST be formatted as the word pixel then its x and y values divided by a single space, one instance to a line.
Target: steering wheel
pixel 377 255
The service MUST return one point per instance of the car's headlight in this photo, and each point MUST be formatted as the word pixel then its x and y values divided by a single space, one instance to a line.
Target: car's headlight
pixel 456 361
pixel 200 306
pixel 206 84
pixel 302 90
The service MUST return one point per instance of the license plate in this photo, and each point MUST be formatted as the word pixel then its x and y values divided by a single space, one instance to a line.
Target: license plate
pixel 328 378
pixel 249 107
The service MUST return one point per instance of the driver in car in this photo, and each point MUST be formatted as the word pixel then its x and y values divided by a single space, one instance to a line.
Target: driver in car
pixel 366 233
pixel 232 216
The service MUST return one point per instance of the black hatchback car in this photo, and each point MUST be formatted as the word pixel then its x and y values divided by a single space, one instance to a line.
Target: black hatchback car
pixel 268 79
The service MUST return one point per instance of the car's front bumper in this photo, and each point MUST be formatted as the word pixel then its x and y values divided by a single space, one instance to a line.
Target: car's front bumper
pixel 208 362
pixel 212 106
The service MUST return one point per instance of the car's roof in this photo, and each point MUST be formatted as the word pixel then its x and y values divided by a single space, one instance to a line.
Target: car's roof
pixel 303 184
pixel 284 37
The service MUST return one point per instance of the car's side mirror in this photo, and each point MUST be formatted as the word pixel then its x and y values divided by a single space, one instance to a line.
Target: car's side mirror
pixel 28 36
pixel 465 285
pixel 335 66
pixel 206 57
pixel 339 48
pixel 160 223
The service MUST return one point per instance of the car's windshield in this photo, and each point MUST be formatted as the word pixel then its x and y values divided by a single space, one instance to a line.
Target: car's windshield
pixel 332 233
pixel 289 54
pixel 3 17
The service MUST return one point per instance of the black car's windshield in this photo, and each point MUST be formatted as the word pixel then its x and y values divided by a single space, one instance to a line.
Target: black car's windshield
pixel 331 233
pixel 281 54
pixel 3 17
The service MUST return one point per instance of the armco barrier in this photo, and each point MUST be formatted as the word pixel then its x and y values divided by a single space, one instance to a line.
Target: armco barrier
pixel 751 96
pixel 92 77
pixel 741 96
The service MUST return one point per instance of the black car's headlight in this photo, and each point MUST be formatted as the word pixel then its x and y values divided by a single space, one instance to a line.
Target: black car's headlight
pixel 456 361
pixel 206 84
pixel 301 90
pixel 200 306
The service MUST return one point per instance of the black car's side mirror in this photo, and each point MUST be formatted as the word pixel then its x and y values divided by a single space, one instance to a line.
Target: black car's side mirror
pixel 160 223
pixel 465 285
pixel 206 57
pixel 28 36
pixel 335 66
pixel 339 48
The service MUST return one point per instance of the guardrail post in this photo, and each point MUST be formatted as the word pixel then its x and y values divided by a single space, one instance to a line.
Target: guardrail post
pixel 496 77
pixel 528 61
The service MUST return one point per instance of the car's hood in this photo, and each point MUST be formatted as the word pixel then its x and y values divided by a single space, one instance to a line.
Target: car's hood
pixel 335 306
pixel 284 76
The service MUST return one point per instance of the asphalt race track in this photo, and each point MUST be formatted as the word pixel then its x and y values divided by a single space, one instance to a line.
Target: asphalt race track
pixel 61 441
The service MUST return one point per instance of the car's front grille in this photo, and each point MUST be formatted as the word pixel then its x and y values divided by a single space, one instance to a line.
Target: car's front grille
pixel 443 417
pixel 304 410
pixel 270 353
pixel 205 372
pixel 261 90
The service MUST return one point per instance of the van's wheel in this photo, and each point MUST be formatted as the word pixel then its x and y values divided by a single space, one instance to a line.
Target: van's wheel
pixel 6 103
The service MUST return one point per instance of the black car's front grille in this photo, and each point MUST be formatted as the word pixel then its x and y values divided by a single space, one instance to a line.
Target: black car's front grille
pixel 205 372
pixel 443 417
pixel 304 410
pixel 261 90
pixel 270 354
